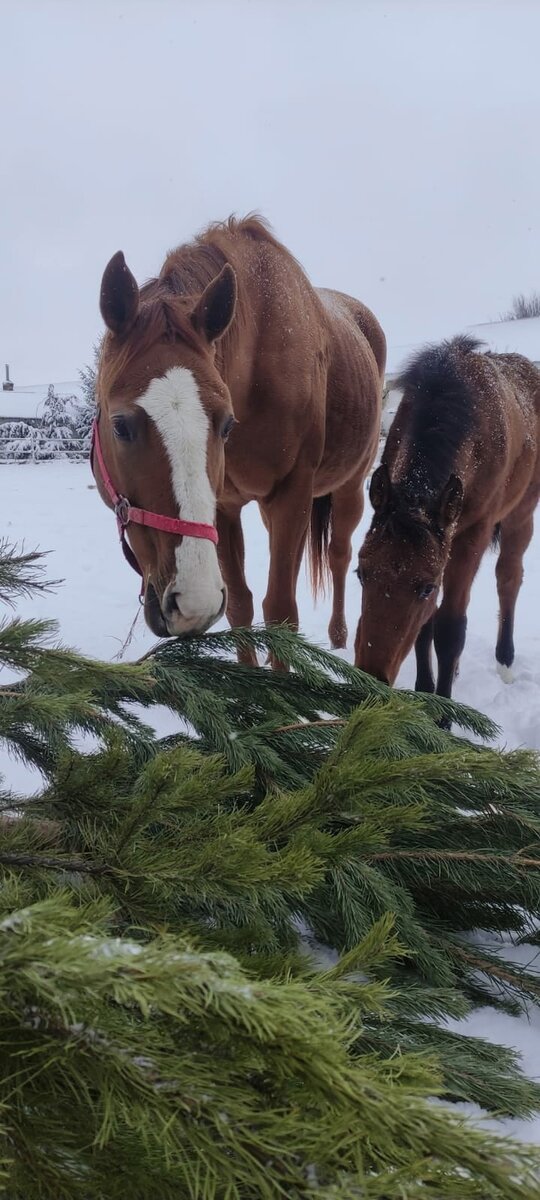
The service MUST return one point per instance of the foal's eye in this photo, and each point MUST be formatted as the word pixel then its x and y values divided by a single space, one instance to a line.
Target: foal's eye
pixel 225 430
pixel 122 429
pixel 425 590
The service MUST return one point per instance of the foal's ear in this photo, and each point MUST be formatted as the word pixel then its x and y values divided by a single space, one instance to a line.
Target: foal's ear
pixel 380 488
pixel 215 309
pixel 119 295
pixel 450 501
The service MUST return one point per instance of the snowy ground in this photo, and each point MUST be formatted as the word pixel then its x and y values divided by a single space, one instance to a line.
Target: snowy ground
pixel 54 507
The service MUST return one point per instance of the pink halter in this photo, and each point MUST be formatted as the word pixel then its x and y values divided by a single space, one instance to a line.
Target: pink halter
pixel 126 514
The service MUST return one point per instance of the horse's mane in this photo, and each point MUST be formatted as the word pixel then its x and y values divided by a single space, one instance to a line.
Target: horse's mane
pixel 253 225
pixel 439 403
pixel 190 267
pixel 167 300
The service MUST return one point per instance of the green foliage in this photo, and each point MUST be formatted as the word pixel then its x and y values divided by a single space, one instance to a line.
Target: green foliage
pixel 169 1022
pixel 158 1070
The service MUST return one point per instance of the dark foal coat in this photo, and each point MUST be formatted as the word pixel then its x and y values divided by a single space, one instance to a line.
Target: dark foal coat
pixel 461 466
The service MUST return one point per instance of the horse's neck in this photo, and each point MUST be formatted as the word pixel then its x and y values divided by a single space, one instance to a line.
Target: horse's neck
pixel 237 351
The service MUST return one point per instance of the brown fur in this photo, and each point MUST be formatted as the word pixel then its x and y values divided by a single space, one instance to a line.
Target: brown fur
pixel 302 371
pixel 461 459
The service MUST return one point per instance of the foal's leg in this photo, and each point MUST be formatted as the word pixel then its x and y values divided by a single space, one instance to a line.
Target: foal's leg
pixel 516 533
pixel 451 618
pixel 424 670
pixel 287 516
pixel 231 560
pixel 347 509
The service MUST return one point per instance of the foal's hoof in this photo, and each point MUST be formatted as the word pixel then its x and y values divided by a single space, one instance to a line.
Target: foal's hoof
pixel 506 673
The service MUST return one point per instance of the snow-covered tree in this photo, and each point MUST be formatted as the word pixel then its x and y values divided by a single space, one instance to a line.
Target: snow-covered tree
pixel 17 440
pixel 87 376
pixel 57 436
pixel 64 428
pixel 86 406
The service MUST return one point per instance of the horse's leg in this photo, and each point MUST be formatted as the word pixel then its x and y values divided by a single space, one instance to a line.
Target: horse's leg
pixel 347 509
pixel 286 516
pixel 450 623
pixel 424 670
pixel 231 559
pixel 516 533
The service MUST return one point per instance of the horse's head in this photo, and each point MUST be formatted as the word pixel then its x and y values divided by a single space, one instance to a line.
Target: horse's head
pixel 165 415
pixel 400 567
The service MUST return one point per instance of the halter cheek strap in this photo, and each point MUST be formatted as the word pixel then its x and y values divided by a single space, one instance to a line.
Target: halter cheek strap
pixel 128 514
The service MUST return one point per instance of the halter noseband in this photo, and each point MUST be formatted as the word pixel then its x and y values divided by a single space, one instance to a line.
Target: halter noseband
pixel 127 514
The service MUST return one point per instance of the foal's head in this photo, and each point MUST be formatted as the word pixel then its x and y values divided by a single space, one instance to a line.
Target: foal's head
pixel 400 567
pixel 165 415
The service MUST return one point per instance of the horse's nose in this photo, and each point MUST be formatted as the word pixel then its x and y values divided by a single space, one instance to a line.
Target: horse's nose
pixel 171 603
pixel 180 617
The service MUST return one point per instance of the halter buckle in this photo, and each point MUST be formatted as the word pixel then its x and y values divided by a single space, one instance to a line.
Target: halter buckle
pixel 121 511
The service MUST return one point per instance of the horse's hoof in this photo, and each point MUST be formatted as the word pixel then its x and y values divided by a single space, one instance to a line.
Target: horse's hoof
pixel 275 664
pixel 247 658
pixel 506 673
pixel 338 637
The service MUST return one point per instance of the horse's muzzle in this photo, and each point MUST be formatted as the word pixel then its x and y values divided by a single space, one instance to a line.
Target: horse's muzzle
pixel 174 622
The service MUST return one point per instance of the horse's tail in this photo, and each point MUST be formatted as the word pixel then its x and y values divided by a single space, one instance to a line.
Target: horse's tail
pixel 319 540
pixel 496 537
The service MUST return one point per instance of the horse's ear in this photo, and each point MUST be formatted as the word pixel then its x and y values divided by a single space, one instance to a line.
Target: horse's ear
pixel 119 295
pixel 380 488
pixel 450 501
pixel 215 309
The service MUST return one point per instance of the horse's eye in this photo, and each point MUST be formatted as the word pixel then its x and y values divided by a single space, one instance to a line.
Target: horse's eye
pixel 122 429
pixel 359 573
pixel 225 430
pixel 425 590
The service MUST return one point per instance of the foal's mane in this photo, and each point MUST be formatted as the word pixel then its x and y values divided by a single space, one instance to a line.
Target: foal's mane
pixel 439 404
pixel 400 519
pixel 167 300
pixel 436 415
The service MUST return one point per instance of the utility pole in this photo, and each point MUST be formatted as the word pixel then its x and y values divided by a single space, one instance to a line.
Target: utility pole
pixel 7 385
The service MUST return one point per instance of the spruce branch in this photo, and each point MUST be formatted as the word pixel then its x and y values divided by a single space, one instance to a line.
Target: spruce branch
pixel 21 573
pixel 288 813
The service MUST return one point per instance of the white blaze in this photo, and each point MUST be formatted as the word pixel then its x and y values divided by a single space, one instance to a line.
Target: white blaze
pixel 174 404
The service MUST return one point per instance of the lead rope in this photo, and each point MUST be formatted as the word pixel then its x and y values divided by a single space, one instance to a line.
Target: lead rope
pixel 127 643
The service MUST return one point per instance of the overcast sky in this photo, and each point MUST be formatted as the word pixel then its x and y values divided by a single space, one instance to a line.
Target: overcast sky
pixel 393 146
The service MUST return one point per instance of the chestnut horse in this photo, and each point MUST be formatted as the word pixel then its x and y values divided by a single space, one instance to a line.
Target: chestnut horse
pixel 461 464
pixel 226 379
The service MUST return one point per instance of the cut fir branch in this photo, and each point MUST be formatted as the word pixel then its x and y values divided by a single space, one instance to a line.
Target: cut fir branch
pixel 271 720
pixel 190 1078
pixel 329 685
pixel 21 573
pixel 338 850
pixel 180 843
pixel 240 851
